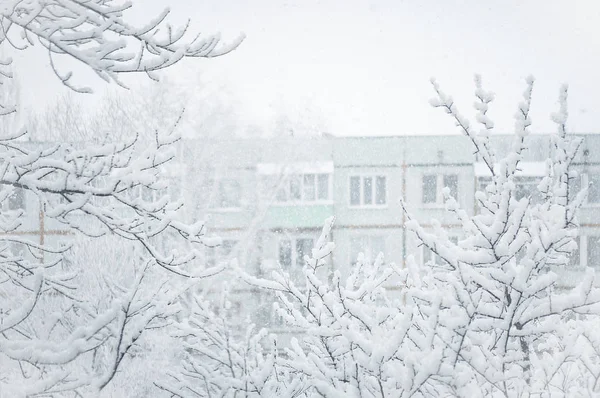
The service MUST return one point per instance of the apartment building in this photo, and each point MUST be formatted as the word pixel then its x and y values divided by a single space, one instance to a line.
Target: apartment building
pixel 268 198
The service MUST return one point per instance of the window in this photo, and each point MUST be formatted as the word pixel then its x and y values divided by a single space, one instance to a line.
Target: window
pixel 429 188
pixel 433 185
pixel 229 194
pixel 16 199
pixel 524 187
pixel 451 182
pixel 369 246
pixel 303 248
pixel 527 187
pixel 219 253
pixel 305 188
pixel 285 252
pixel 293 250
pixel 575 259
pixel 322 186
pixel 483 183
pixel 574 185
pixel 593 251
pixel 368 190
pixel 593 181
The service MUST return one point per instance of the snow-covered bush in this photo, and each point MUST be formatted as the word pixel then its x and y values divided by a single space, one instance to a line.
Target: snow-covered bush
pixel 71 314
pixel 499 306
pixel 220 359
pixel 488 320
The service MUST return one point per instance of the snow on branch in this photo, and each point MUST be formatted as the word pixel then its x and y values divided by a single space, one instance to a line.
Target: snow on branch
pixel 97 34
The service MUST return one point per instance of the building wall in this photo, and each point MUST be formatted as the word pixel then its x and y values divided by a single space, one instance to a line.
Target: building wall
pixel 403 161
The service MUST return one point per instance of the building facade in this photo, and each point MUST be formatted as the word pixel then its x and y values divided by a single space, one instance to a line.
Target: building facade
pixel 268 198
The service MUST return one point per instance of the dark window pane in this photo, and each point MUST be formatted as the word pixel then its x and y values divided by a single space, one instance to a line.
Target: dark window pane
pixel 355 191
pixel 594 189
pixel 285 253
pixel 295 186
pixel 429 188
pixel 380 191
pixel 574 186
pixel 482 183
pixel 303 248
pixel 526 187
pixel 593 249
pixel 16 200
pixel 308 184
pixel 575 259
pixel 323 186
pixel 227 246
pixel 451 181
pixel 367 190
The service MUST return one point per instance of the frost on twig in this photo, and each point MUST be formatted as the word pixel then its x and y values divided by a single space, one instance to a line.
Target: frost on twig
pixel 96 34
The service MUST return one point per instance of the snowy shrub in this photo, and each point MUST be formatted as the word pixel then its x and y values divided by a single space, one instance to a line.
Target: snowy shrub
pixel 488 320
pixel 68 323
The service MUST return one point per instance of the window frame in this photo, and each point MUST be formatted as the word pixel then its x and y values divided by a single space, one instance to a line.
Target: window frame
pixel 439 182
pixel 532 181
pixel 293 239
pixel 589 238
pixel 585 181
pixel 301 178
pixel 374 177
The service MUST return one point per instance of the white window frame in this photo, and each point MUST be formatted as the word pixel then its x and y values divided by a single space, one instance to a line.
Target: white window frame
pixel 579 239
pixel 585 180
pixel 439 196
pixel 362 204
pixel 16 192
pixel 295 262
pixel 533 181
pixel 584 251
pixel 303 201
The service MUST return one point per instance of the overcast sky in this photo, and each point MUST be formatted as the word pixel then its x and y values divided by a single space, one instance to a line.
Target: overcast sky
pixel 364 66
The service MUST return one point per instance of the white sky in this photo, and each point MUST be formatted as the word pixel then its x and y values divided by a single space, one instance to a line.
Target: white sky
pixel 364 66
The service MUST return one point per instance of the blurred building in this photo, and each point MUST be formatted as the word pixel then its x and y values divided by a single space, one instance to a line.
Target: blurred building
pixel 268 198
